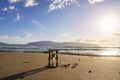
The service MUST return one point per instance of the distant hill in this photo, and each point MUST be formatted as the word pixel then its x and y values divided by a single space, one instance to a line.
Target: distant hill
pixel 52 44
pixel 61 44
pixel 3 44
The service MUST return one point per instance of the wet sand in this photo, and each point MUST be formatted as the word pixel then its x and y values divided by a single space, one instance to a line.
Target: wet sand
pixel 32 66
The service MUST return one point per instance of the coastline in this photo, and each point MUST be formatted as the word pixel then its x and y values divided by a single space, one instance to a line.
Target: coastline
pixel 65 53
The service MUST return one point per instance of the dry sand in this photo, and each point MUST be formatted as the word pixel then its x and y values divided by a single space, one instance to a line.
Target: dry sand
pixel 31 66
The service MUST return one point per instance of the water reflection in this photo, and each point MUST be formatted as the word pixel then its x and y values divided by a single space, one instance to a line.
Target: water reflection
pixel 110 52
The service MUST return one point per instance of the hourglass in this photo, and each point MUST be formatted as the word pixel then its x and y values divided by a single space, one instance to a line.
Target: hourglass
pixel 53 58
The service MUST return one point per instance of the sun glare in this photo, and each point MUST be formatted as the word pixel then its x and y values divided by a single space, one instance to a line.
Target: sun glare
pixel 109 23
pixel 110 52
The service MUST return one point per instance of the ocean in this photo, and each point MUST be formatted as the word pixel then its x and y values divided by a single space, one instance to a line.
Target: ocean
pixel 93 51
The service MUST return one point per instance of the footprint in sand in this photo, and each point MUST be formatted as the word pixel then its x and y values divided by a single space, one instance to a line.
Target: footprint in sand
pixel 22 77
pixel 65 65
pixel 74 65
pixel 89 71
pixel 26 62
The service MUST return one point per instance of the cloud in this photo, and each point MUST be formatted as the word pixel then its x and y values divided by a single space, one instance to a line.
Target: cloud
pixel 58 4
pixel 28 35
pixel 10 39
pixel 5 9
pixel 68 38
pixel 103 40
pixel 29 3
pixel 13 1
pixel 18 17
pixel 90 40
pixel 11 7
pixel 8 8
pixel 117 34
pixel 64 35
pixel 38 24
pixel 40 28
pixel 74 38
pixel 95 1
pixel 16 39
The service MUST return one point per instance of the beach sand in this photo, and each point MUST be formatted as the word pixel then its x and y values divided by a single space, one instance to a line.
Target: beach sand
pixel 32 66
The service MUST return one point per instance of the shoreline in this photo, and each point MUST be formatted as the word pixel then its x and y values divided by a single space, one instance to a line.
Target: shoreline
pixel 66 53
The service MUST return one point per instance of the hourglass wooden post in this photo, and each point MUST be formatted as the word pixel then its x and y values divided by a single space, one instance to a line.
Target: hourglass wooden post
pixel 53 58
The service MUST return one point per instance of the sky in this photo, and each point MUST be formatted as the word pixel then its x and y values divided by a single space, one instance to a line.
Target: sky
pixel 85 21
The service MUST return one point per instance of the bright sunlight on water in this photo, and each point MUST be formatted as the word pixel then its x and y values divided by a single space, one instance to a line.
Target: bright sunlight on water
pixel 110 52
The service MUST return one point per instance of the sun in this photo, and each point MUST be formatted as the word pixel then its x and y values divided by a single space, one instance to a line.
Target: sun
pixel 109 23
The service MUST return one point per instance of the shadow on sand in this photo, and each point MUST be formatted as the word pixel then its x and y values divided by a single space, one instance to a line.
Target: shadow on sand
pixel 24 74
